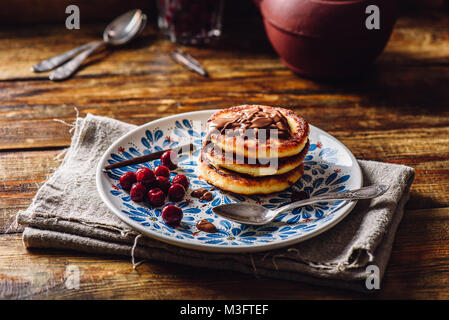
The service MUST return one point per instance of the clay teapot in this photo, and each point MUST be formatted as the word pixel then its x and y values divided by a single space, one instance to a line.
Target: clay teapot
pixel 327 38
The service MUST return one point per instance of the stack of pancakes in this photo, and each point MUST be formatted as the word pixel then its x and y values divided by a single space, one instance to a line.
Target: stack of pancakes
pixel 254 149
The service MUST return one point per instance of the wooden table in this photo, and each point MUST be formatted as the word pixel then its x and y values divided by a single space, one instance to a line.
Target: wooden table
pixel 398 112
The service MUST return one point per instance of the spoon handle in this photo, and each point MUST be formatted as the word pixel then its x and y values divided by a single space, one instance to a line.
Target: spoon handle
pixel 359 194
pixel 51 63
pixel 67 69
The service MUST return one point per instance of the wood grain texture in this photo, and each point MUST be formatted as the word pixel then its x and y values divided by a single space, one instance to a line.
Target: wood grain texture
pixel 417 270
pixel 155 86
pixel 21 174
pixel 397 112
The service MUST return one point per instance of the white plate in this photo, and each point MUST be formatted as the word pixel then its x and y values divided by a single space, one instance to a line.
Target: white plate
pixel 329 167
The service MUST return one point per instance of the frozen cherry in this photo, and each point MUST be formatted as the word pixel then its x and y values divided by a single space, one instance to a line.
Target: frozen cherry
pixel 182 180
pixel 163 183
pixel 162 171
pixel 172 215
pixel 170 159
pixel 146 176
pixel 156 197
pixel 127 179
pixel 176 192
pixel 138 192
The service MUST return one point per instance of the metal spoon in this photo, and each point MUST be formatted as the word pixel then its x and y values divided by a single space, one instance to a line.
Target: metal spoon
pixel 255 214
pixel 120 31
pixel 49 64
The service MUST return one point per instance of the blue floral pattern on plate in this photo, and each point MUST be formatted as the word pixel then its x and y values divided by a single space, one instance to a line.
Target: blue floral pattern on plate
pixel 326 169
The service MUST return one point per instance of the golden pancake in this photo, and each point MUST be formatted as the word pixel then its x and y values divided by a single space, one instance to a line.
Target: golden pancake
pixel 247 185
pixel 239 130
pixel 253 167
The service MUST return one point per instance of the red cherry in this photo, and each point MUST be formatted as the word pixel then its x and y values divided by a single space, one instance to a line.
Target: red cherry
pixel 146 176
pixel 162 171
pixel 176 192
pixel 163 183
pixel 170 159
pixel 156 197
pixel 172 215
pixel 127 179
pixel 182 180
pixel 138 192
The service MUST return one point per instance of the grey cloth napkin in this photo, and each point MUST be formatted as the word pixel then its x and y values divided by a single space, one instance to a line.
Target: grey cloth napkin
pixel 67 213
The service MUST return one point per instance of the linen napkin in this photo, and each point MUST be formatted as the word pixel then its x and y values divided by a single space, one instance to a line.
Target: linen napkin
pixel 67 213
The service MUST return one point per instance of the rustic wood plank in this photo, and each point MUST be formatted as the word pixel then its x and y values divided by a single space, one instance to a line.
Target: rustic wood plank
pixel 21 174
pixel 336 119
pixel 25 126
pixel 418 35
pixel 140 83
pixel 417 270
pixel 138 57
pixel 418 267
pixel 398 112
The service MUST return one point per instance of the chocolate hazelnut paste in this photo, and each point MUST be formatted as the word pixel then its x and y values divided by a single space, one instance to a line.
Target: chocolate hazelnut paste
pixel 206 226
pixel 207 196
pixel 253 118
pixel 198 193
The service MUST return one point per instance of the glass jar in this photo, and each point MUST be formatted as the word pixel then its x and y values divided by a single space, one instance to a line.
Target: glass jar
pixel 190 22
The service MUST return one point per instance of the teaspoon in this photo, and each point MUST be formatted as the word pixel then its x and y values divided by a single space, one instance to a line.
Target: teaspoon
pixel 248 213
pixel 120 31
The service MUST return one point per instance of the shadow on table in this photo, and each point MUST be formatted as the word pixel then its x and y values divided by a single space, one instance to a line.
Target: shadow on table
pixel 402 82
